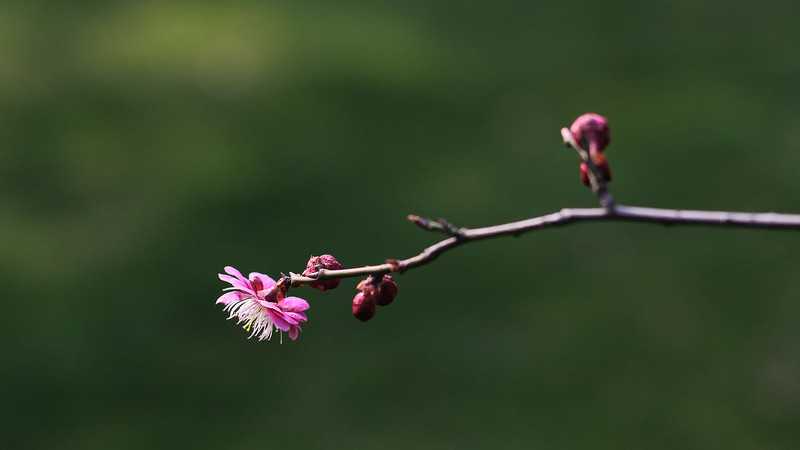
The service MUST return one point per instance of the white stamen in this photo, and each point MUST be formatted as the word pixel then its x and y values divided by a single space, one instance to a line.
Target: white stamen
pixel 254 316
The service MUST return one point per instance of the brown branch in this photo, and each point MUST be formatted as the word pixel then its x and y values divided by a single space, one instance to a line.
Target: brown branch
pixel 610 211
pixel 618 213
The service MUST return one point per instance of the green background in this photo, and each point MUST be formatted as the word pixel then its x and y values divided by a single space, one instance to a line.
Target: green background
pixel 145 145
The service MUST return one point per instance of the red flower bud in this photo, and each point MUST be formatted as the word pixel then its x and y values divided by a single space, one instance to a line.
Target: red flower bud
pixel 364 305
pixel 315 263
pixel 585 175
pixel 601 162
pixel 387 291
pixel 591 132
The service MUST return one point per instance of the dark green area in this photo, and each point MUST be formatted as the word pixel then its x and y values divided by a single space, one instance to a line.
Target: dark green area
pixel 145 145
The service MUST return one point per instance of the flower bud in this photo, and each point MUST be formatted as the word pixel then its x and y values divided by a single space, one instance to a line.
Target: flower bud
pixel 585 175
pixel 601 162
pixel 315 263
pixel 364 305
pixel 387 291
pixel 591 132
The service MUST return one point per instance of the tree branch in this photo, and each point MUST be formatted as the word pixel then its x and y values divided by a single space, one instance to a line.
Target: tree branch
pixel 619 213
pixel 265 309
pixel 589 142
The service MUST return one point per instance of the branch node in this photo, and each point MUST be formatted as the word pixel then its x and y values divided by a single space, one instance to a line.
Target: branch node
pixel 395 265
pixel 449 228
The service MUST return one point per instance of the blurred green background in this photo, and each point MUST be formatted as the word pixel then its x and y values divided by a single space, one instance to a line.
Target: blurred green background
pixel 147 144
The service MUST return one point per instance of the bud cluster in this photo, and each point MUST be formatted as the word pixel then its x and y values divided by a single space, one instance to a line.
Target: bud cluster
pixel 371 293
pixel 591 132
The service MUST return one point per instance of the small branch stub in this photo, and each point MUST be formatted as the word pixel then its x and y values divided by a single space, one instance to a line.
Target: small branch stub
pixel 440 225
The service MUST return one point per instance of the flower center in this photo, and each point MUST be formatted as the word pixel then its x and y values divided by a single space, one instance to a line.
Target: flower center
pixel 257 284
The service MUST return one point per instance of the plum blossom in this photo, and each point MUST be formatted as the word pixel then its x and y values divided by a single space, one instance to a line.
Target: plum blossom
pixel 261 305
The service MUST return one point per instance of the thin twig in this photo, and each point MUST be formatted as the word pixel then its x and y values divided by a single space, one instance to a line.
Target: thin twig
pixel 619 213
pixel 610 211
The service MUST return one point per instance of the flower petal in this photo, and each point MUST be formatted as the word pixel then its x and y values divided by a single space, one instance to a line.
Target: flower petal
pixel 278 319
pixel 230 297
pixel 292 321
pixel 266 281
pixel 295 304
pixel 238 284
pixel 297 317
pixel 269 305
pixel 294 333
pixel 230 270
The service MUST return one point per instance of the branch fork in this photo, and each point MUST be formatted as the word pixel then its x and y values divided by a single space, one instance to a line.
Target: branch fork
pixel 263 306
pixel 588 136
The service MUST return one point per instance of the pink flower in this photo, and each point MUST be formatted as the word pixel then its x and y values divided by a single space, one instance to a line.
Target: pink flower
pixel 260 303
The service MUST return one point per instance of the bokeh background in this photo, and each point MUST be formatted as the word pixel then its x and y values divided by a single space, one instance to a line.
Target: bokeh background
pixel 144 145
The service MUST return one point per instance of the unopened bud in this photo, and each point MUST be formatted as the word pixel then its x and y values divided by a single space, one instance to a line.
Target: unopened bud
pixel 591 132
pixel 585 175
pixel 315 263
pixel 387 291
pixel 364 306
pixel 601 162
